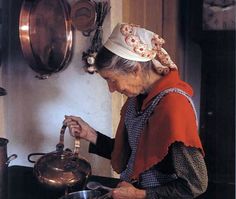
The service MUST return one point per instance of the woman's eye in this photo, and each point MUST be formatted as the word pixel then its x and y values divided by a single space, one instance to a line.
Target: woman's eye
pixel 111 81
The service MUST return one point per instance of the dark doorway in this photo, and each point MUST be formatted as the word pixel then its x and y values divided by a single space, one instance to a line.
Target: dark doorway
pixel 217 110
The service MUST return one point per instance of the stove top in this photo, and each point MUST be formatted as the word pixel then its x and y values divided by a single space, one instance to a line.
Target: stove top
pixel 23 185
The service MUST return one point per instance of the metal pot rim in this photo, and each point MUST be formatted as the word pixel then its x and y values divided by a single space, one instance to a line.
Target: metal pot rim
pixel 83 193
pixel 3 141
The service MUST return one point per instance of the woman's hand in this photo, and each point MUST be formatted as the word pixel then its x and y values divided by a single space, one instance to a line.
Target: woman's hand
pixel 126 190
pixel 79 128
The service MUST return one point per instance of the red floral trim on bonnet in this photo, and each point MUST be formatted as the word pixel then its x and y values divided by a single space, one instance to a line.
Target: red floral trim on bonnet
pixel 165 58
pixel 157 42
pixel 132 40
pixel 127 30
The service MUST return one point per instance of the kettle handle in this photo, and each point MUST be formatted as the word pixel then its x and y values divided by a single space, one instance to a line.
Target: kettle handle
pixel 60 145
pixel 77 146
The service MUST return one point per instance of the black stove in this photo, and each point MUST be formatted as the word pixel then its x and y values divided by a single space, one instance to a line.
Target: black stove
pixel 22 184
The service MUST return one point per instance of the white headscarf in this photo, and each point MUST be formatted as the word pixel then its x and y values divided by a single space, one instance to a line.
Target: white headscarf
pixel 132 42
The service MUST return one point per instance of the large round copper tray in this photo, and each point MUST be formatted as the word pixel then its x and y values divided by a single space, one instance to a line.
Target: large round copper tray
pixel 45 34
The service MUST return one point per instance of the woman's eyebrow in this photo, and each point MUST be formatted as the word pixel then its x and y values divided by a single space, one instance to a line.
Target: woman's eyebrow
pixel 106 78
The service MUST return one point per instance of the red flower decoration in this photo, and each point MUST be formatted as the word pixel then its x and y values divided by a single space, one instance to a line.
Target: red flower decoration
pixel 132 40
pixel 140 49
pixel 157 42
pixel 126 29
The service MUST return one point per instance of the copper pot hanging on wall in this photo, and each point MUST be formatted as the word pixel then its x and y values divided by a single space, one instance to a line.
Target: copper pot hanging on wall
pixel 84 16
pixel 46 36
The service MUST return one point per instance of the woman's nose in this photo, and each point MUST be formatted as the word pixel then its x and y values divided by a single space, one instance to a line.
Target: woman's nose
pixel 111 87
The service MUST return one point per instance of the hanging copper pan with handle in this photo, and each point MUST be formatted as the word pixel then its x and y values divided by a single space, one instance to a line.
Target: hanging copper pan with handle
pixel 45 33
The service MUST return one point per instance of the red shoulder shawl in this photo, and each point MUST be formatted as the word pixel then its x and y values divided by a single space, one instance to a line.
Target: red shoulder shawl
pixel 172 120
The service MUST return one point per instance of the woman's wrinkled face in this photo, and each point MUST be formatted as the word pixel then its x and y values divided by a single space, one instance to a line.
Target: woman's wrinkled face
pixel 129 84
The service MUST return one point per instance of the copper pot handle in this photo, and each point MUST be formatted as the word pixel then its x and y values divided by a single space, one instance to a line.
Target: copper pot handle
pixel 10 158
pixel 34 154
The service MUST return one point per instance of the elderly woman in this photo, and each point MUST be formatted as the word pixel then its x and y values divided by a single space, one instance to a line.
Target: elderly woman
pixel 156 150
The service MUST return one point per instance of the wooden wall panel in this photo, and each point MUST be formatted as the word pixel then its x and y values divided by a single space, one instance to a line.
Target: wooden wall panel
pixel 171 32
pixel 147 13
pixel 133 11
pixel 153 15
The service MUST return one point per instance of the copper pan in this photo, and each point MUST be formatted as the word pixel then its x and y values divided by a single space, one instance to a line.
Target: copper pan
pixel 84 16
pixel 46 36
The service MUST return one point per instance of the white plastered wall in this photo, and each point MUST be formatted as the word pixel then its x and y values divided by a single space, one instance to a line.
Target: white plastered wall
pixel 33 110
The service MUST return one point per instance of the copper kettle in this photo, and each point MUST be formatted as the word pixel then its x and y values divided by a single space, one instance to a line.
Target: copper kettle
pixel 61 168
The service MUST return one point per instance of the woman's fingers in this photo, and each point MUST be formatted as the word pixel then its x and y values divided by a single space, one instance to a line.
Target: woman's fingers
pixel 124 184
pixel 79 128
pixel 76 126
pixel 75 130
pixel 73 118
pixel 70 123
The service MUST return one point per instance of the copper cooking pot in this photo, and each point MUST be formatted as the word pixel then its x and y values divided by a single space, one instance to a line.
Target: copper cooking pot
pixel 4 162
pixel 61 168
